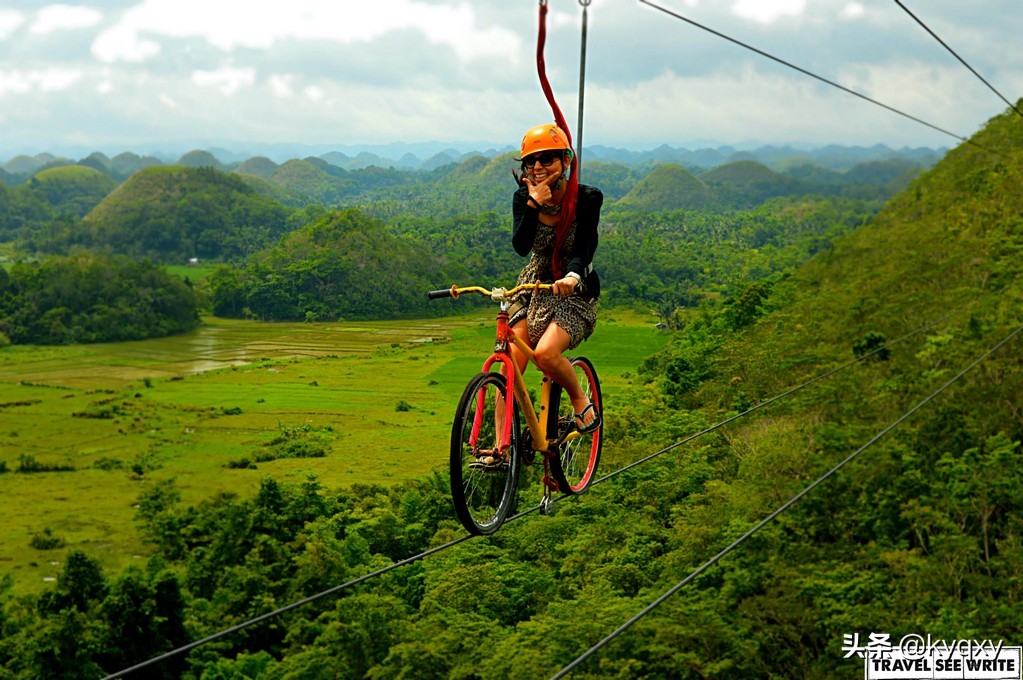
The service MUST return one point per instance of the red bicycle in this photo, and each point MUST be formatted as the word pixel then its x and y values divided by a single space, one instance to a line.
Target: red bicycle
pixel 488 443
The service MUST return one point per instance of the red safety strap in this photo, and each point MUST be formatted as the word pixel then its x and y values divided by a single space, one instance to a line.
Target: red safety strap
pixel 568 203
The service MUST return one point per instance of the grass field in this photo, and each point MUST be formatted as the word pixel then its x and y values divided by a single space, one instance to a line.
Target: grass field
pixel 85 429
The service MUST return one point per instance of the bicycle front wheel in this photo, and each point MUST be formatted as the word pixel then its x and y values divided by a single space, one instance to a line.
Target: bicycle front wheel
pixel 575 467
pixel 483 479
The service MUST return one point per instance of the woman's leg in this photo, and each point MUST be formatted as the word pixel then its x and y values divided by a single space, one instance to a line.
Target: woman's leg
pixel 522 331
pixel 549 357
pixel 521 360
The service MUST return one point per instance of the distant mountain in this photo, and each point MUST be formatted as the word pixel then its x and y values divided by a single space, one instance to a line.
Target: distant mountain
pixel 436 155
pixel 24 165
pixel 668 187
pixel 744 184
pixel 72 189
pixel 124 165
pixel 260 166
pixel 173 213
pixel 307 183
pixel 201 159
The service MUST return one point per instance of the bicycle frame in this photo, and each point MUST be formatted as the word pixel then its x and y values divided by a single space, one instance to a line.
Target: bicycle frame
pixel 484 444
pixel 515 383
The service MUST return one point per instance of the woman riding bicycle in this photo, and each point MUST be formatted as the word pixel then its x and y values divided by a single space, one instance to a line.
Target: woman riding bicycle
pixel 555 221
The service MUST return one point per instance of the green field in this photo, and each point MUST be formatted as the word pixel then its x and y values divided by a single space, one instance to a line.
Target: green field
pixel 375 398
pixel 191 272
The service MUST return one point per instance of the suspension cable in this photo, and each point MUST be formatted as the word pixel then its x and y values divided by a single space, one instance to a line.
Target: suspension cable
pixel 961 60
pixel 785 506
pixel 820 78
pixel 287 608
pixel 520 515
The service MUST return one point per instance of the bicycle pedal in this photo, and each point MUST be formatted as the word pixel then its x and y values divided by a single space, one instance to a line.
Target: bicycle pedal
pixel 547 506
pixel 489 467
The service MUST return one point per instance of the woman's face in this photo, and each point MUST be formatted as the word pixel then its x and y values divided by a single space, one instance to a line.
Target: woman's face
pixel 544 165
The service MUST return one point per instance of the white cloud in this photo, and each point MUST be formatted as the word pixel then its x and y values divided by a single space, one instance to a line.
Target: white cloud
pixel 42 80
pixel 168 102
pixel 281 85
pixel 259 24
pixel 853 10
pixel 9 22
pixel 64 17
pixel 228 79
pixel 57 79
pixel 767 11
pixel 14 82
pixel 314 93
pixel 123 43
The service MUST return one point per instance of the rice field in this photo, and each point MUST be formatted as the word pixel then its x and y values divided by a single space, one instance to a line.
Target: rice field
pixel 85 429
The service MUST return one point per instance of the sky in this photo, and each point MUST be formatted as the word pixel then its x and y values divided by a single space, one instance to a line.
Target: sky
pixel 243 75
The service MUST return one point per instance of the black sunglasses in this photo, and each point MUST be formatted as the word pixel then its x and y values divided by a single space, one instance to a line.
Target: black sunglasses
pixel 546 159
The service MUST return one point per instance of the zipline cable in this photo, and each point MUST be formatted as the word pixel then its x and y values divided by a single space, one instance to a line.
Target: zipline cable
pixel 286 608
pixel 820 78
pixel 792 501
pixel 954 54
pixel 524 513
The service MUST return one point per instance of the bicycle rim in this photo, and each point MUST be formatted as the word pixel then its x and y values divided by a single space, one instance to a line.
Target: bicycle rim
pixel 576 465
pixel 483 494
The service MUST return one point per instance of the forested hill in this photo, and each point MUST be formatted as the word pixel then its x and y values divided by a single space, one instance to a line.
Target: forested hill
pixel 920 534
pixel 174 213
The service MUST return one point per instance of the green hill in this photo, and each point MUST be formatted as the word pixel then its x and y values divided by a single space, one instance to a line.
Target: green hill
pixel 260 166
pixel 307 183
pixel 172 214
pixel 668 187
pixel 746 183
pixel 201 159
pixel 926 521
pixel 124 165
pixel 342 265
pixel 73 189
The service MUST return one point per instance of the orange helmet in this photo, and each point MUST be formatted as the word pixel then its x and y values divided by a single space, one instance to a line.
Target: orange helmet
pixel 544 138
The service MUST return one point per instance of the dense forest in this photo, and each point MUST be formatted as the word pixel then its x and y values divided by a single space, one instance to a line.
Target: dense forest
pixel 920 535
pixel 92 298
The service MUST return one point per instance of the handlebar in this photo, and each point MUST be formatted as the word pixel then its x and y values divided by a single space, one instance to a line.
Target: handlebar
pixel 496 294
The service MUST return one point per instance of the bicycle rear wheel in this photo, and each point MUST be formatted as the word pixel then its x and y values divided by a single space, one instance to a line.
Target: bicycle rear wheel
pixel 483 493
pixel 575 467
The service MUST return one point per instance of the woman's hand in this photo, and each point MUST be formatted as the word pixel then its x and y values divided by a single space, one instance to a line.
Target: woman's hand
pixel 540 191
pixel 565 285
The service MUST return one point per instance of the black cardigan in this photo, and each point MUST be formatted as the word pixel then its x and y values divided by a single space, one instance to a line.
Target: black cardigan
pixel 587 215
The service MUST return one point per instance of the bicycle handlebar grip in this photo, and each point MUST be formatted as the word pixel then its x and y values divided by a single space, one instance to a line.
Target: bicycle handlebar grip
pixel 437 294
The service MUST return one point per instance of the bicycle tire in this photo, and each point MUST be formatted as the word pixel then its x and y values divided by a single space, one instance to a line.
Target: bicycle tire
pixel 483 495
pixel 575 466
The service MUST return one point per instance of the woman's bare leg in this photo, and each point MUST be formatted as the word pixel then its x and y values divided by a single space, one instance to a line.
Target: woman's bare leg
pixel 521 360
pixel 549 357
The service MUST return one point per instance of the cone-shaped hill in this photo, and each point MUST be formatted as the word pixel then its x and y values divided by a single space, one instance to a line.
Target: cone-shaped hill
pixel 667 187
pixel 74 189
pixel 259 166
pixel 123 165
pixel 744 184
pixel 172 213
pixel 308 184
pixel 478 184
pixel 200 159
